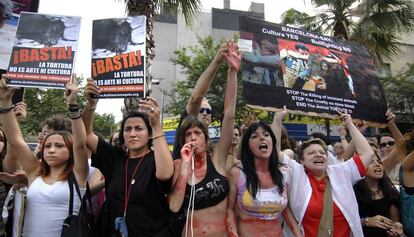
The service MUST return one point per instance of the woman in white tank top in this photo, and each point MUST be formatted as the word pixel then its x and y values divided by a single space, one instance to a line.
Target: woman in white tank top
pixel 47 202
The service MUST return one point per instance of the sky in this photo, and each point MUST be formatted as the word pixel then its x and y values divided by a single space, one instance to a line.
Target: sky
pixel 100 9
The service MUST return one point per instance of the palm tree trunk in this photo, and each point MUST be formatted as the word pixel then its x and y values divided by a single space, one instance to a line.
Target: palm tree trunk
pixel 146 8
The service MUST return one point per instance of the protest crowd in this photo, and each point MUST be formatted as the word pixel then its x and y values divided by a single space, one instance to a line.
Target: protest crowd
pixel 255 181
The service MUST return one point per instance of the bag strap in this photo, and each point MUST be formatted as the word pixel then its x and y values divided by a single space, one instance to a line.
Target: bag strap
pixel 70 183
pixel 86 198
pixel 326 223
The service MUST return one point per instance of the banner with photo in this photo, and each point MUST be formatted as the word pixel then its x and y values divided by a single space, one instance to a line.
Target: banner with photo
pixel 118 56
pixel 44 50
pixel 309 73
pixel 8 30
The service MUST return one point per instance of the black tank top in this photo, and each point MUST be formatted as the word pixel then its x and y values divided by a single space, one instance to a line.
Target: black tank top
pixel 210 191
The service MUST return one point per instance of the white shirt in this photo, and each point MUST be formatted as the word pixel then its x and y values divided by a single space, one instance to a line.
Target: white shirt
pixel 342 177
pixel 47 206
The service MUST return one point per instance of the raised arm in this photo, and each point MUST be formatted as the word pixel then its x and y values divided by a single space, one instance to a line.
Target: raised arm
pixel 221 151
pixel 91 93
pixel 182 170
pixel 164 167
pixel 80 155
pixel 277 130
pixel 12 131
pixel 362 146
pixel 204 82
pixel 408 163
pixel 10 163
pixel 342 134
pixel 395 132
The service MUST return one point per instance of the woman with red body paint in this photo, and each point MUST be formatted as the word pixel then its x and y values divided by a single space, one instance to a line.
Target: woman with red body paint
pixel 210 183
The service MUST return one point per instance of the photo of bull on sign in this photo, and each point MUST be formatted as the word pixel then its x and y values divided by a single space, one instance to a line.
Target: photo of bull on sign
pixel 117 36
pixel 39 31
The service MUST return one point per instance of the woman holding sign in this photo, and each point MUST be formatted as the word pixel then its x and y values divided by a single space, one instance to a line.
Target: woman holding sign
pixel 48 190
pixel 137 177
pixel 321 197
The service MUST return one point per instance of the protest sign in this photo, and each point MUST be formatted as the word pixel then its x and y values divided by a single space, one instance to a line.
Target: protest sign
pixel 118 56
pixel 309 73
pixel 8 31
pixel 44 50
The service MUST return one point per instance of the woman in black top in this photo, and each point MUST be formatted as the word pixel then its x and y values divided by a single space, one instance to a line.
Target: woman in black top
pixel 137 178
pixel 378 203
pixel 204 204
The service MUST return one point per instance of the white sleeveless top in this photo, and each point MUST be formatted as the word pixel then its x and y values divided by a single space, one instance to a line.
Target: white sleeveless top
pixel 47 206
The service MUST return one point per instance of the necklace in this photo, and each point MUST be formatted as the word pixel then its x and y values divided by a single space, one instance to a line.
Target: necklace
pixel 52 180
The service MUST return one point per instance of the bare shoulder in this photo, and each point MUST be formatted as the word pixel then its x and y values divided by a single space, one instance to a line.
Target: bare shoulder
pixel 234 172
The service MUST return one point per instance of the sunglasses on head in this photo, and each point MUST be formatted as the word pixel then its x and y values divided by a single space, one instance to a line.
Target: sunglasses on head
pixel 389 143
pixel 207 110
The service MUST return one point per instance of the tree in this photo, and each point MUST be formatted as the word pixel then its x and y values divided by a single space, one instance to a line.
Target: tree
pixel 194 60
pixel 399 91
pixel 104 124
pixel 187 8
pixel 377 28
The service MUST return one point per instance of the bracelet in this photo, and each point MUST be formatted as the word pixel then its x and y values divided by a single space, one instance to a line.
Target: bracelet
pixel 73 117
pixel 73 108
pixel 161 135
pixel 366 221
pixel 6 110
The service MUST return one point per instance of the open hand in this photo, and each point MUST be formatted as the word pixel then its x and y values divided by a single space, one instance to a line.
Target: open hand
pixel 233 56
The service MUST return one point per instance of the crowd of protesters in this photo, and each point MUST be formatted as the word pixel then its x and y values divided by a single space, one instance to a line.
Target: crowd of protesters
pixel 256 181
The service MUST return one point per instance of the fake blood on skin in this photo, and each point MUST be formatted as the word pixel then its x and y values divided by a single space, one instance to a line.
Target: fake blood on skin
pixel 199 169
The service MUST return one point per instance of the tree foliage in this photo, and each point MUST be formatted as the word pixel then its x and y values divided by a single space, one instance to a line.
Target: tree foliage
pixel 399 90
pixel 193 61
pixel 376 24
pixel 46 103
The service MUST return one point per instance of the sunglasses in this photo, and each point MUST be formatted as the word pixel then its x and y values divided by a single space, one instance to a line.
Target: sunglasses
pixel 207 110
pixel 389 143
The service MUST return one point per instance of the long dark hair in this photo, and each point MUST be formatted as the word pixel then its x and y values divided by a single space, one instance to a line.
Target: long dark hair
pixel 134 114
pixel 364 195
pixel 45 168
pixel 247 159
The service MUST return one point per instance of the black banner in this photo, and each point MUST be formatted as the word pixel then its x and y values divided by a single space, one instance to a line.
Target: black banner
pixel 307 72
